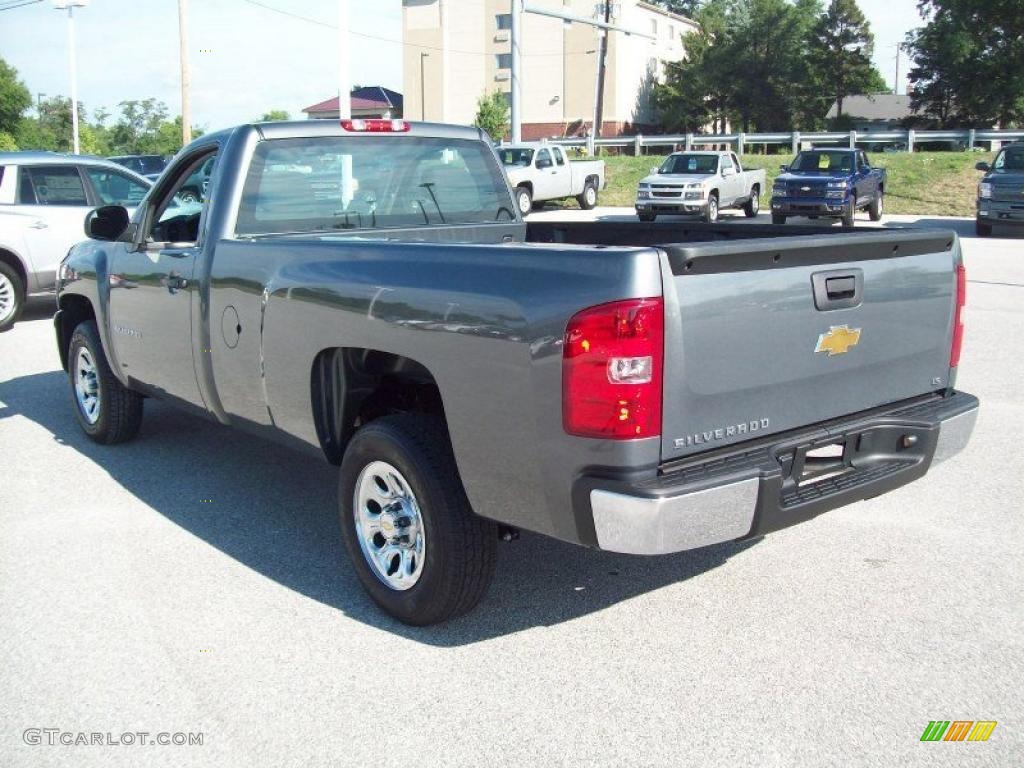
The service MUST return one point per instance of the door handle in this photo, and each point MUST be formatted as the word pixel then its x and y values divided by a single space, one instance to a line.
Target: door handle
pixel 39 224
pixel 838 289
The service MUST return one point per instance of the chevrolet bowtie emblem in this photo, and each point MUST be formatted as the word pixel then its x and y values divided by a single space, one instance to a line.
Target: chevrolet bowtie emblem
pixel 838 340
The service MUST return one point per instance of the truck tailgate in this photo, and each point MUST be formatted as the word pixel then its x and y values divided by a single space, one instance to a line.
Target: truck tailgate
pixel 763 337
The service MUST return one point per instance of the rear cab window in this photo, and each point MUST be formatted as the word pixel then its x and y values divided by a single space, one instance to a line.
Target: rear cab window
pixel 332 183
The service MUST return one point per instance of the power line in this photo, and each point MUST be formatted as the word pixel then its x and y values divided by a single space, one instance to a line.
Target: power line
pixel 18 4
pixel 328 25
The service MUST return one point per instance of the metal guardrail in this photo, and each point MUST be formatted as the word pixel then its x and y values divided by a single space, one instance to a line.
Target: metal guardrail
pixel 907 138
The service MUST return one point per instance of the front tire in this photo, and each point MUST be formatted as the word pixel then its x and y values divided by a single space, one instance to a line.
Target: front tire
pixel 710 214
pixel 524 199
pixel 875 209
pixel 849 215
pixel 753 205
pixel 12 296
pixel 588 198
pixel 982 229
pixel 107 411
pixel 417 547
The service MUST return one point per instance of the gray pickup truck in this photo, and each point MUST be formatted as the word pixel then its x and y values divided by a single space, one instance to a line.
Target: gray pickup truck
pixel 368 291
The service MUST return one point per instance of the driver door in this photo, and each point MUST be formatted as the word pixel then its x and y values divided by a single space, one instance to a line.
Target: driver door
pixel 153 293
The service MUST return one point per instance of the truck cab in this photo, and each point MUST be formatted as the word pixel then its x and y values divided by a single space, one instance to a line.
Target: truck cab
pixel 829 184
pixel 542 172
pixel 1001 190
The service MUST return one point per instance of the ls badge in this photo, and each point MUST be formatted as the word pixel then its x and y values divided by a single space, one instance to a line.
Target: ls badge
pixel 838 340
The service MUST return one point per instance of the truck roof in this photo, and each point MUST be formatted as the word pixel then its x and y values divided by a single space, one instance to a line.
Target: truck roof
pixel 703 152
pixel 288 129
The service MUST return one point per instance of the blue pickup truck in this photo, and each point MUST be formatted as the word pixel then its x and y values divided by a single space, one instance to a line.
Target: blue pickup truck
pixel 828 183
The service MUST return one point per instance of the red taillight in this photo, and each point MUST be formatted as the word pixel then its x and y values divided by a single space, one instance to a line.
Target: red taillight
pixel 612 365
pixel 375 125
pixel 958 322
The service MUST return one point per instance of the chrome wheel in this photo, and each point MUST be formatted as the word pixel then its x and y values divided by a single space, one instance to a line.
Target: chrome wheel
pixel 87 385
pixel 755 203
pixel 389 525
pixel 590 195
pixel 8 300
pixel 713 209
pixel 525 203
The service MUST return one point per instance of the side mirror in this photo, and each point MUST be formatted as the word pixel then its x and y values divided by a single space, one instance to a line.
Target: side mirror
pixel 784 168
pixel 983 166
pixel 543 163
pixel 655 171
pixel 107 222
pixel 728 172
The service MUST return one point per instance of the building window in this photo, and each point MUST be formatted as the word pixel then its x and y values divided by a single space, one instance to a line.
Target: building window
pixel 504 20
pixel 503 60
pixel 654 27
pixel 671 32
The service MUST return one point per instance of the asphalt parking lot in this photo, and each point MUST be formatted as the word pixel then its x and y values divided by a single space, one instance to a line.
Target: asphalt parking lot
pixel 194 581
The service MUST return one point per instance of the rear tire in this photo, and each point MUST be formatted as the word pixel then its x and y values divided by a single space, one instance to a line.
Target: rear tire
pixel 875 209
pixel 982 228
pixel 588 198
pixel 12 296
pixel 778 218
pixel 524 200
pixel 849 215
pixel 107 411
pixel 753 205
pixel 458 548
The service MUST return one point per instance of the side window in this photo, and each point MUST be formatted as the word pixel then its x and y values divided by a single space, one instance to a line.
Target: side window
pixel 51 185
pixel 559 156
pixel 544 158
pixel 735 160
pixel 864 162
pixel 114 188
pixel 175 216
pixel 726 162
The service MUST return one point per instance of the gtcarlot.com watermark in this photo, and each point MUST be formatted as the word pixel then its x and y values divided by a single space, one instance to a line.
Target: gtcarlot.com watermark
pixel 52 737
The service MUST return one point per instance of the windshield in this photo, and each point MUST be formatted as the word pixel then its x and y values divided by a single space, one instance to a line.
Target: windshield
pixel 823 160
pixel 370 182
pixel 516 156
pixel 1011 159
pixel 690 164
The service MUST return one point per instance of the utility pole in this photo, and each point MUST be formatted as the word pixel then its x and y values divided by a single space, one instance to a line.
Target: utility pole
pixel 186 73
pixel 896 85
pixel 602 55
pixel 69 6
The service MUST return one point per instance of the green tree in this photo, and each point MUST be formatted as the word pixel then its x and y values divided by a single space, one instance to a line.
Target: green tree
pixel 15 98
pixel 745 65
pixel 968 63
pixel 51 129
pixel 686 8
pixel 840 49
pixel 274 115
pixel 492 115
pixel 138 125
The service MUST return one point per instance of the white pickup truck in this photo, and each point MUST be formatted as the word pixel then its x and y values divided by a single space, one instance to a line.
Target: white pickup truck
pixel 701 183
pixel 539 172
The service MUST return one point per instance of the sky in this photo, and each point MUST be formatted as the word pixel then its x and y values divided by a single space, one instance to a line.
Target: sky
pixel 248 59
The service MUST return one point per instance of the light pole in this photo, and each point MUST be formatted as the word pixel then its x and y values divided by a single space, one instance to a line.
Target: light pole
pixel 69 6
pixel 423 86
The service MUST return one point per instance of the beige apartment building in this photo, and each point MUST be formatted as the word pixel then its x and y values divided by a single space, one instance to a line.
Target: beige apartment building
pixel 457 50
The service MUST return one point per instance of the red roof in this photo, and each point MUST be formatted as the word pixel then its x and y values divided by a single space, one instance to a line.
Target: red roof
pixel 372 97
